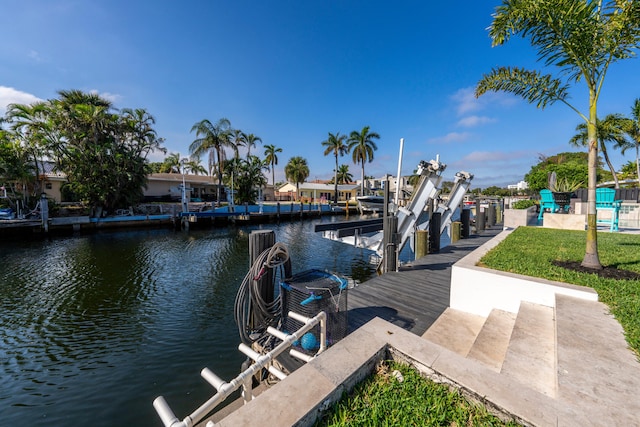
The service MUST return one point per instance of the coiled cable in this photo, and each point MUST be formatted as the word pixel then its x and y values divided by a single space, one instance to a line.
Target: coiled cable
pixel 251 312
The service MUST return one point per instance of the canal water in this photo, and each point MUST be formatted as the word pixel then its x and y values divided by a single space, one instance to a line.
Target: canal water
pixel 94 327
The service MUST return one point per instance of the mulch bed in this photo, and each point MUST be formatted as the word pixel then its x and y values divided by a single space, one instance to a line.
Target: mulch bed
pixel 606 272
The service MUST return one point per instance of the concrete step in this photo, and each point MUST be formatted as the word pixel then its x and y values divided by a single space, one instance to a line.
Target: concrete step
pixel 531 354
pixel 596 368
pixel 490 346
pixel 455 330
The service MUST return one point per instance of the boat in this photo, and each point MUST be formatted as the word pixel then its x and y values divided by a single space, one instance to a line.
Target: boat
pixel 370 203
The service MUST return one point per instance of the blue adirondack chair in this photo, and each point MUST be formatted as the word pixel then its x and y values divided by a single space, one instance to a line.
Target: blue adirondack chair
pixel 606 201
pixel 547 202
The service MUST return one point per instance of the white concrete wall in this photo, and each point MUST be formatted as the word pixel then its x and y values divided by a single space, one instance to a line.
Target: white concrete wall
pixel 479 290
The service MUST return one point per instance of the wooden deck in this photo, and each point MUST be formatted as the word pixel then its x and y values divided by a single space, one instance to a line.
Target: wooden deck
pixel 414 297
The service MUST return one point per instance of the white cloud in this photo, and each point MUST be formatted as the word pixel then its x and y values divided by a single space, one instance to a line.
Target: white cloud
pixel 467 102
pixel 451 137
pixel 33 54
pixel 113 97
pixel 472 121
pixel 9 95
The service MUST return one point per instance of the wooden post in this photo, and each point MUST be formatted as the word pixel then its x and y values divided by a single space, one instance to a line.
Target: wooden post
pixel 491 215
pixel 479 220
pixel 422 243
pixel 455 231
pixel 259 241
pixel 278 211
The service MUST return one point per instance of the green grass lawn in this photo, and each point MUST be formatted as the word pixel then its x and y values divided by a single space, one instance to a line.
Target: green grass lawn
pixel 382 400
pixel 531 250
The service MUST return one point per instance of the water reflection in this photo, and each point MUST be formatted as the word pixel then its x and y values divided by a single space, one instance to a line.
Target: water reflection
pixel 94 327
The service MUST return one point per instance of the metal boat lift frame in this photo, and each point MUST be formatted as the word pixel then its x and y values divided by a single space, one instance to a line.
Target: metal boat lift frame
pixel 413 217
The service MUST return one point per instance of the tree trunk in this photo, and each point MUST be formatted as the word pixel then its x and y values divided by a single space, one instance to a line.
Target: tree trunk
pixel 611 168
pixel 591 259
pixel 335 182
pixel 362 186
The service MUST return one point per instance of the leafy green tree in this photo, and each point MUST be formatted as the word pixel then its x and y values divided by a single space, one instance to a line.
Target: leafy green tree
pixel 271 159
pixel 250 179
pixel 212 138
pixel 629 170
pixel 570 166
pixel 297 171
pixel 362 146
pixel 102 153
pixel 608 130
pixel 344 176
pixel 194 167
pixel 31 126
pixel 582 38
pixel 335 144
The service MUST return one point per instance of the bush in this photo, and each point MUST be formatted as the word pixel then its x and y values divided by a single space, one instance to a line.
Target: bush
pixel 523 204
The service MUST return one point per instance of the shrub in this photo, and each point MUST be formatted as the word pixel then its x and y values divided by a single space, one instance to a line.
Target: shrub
pixel 523 204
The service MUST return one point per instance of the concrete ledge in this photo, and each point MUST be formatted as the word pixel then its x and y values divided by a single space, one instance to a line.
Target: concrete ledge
pixel 514 218
pixel 301 398
pixel 564 221
pixel 479 290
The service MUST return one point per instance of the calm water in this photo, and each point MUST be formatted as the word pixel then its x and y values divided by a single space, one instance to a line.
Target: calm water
pixel 93 328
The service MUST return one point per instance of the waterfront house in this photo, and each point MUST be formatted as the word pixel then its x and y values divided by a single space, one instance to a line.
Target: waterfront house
pixel 316 192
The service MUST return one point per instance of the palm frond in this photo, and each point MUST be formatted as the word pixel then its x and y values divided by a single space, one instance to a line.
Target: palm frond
pixel 530 85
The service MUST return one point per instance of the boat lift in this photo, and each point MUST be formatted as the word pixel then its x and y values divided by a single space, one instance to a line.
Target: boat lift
pixel 368 234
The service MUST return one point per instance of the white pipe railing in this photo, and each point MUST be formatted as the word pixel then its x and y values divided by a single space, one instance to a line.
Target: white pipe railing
pixel 244 379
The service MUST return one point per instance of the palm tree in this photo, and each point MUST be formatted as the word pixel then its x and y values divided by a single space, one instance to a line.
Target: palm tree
pixel 171 164
pixel 250 141
pixel 335 144
pixel 212 138
pixel 608 130
pixel 297 171
pixel 271 158
pixel 580 37
pixel 632 129
pixel 194 167
pixel 361 146
pixel 343 176
pixel 239 139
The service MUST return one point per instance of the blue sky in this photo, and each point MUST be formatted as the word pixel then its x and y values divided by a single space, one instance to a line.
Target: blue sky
pixel 292 71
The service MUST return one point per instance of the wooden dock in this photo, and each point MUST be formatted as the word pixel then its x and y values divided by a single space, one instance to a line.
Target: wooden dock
pixel 414 297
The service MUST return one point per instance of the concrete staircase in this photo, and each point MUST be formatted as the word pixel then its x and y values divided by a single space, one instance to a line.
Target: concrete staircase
pixel 573 354
pixel 520 346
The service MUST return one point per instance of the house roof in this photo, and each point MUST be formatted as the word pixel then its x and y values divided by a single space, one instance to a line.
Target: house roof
pixel 322 187
pixel 177 177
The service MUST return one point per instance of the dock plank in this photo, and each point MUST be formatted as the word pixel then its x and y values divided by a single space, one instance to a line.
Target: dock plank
pixel 414 297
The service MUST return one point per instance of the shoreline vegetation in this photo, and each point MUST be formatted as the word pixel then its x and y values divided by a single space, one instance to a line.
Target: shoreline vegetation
pixel 555 255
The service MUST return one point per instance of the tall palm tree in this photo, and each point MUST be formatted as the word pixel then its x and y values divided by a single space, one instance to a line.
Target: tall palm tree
pixel 297 171
pixel 580 37
pixel 271 158
pixel 212 138
pixel 194 167
pixel 608 130
pixel 361 146
pixel 335 144
pixel 632 129
pixel 344 176
pixel 239 139
pixel 250 141
pixel 171 163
